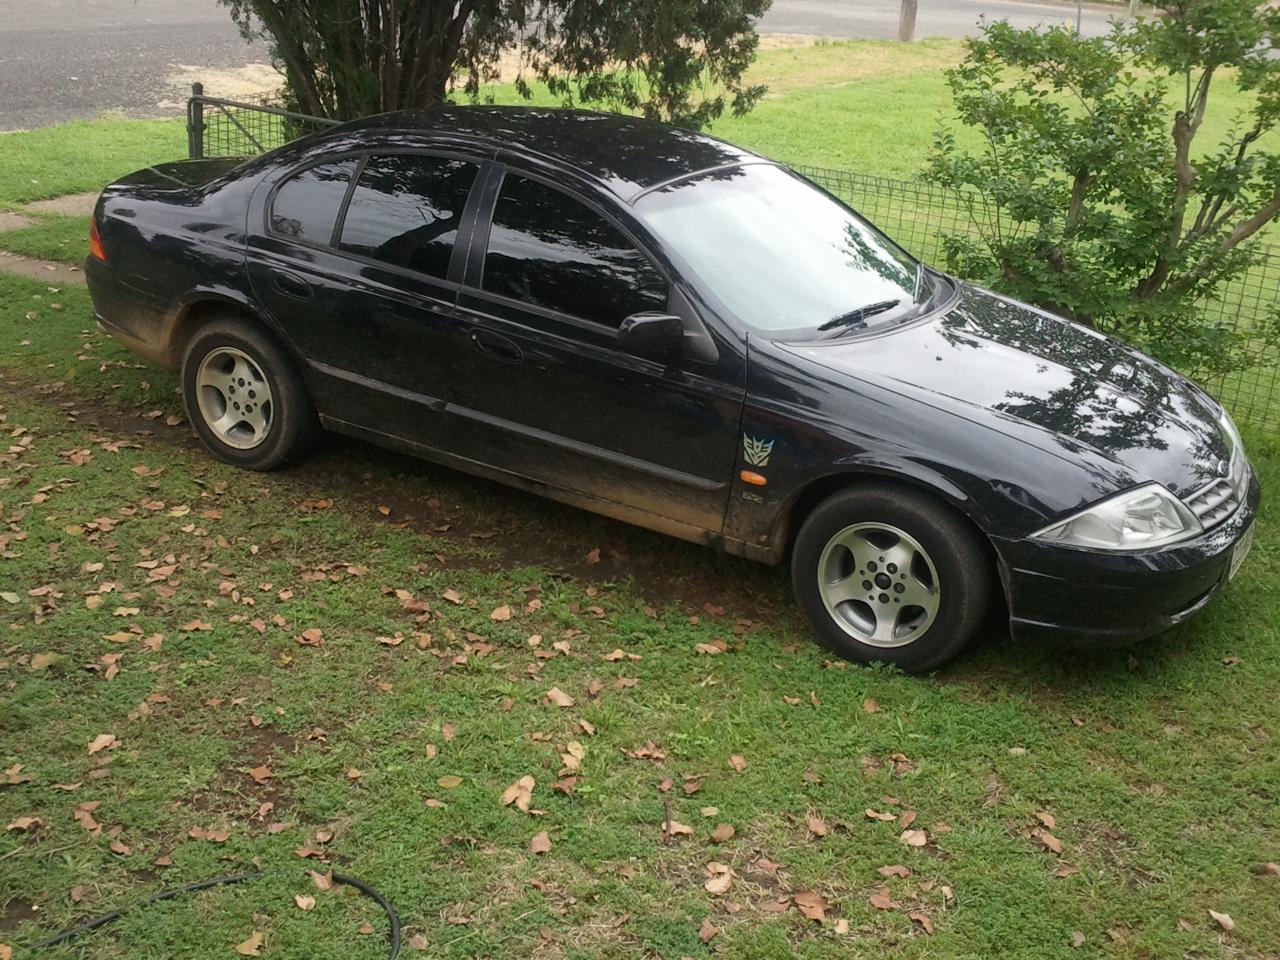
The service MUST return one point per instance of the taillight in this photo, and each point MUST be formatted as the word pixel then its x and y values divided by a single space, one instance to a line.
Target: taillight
pixel 95 242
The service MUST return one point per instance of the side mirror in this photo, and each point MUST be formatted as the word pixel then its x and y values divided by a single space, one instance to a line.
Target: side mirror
pixel 655 335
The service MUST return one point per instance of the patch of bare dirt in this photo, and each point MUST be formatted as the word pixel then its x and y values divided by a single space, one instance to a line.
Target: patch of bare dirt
pixel 13 221
pixel 69 204
pixel 510 528
pixel 43 270
pixel 252 79
pixel 521 529
pixel 15 912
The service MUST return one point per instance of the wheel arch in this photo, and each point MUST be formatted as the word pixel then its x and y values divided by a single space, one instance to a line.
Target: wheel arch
pixel 803 502
pixel 203 305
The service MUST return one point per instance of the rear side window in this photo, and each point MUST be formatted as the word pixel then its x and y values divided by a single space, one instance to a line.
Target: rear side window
pixel 306 207
pixel 547 249
pixel 405 211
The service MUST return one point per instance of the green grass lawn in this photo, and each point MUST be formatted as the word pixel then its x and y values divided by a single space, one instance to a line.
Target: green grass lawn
pixel 55 237
pixel 154 596
pixel 83 155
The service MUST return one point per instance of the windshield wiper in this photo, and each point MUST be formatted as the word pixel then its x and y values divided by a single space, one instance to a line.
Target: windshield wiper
pixel 858 318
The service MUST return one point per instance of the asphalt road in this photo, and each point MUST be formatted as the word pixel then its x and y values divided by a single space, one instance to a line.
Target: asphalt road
pixel 878 19
pixel 61 59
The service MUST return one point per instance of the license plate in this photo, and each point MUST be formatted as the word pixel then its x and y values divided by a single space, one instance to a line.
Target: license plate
pixel 1240 551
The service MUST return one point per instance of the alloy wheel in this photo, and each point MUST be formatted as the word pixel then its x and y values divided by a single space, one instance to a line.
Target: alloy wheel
pixel 234 398
pixel 879 584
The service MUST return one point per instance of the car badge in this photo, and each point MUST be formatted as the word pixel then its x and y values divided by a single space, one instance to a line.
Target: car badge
pixel 756 451
pixel 1224 468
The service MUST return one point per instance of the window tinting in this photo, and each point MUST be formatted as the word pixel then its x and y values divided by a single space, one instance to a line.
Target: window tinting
pixel 306 207
pixel 549 250
pixel 405 210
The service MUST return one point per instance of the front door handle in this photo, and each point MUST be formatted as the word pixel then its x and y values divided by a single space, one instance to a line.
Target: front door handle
pixel 497 346
pixel 290 285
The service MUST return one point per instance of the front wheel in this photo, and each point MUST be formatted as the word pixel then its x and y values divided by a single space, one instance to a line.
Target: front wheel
pixel 891 575
pixel 244 397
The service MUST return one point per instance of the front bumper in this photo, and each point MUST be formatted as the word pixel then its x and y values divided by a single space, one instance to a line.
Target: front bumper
pixel 1065 593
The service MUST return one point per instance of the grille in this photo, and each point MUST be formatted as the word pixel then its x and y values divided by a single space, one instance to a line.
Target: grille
pixel 1214 503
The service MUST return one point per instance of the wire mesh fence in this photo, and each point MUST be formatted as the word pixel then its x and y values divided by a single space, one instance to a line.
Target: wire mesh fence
pixel 916 214
pixel 217 127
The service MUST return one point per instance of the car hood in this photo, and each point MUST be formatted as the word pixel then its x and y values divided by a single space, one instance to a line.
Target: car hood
pixel 1072 383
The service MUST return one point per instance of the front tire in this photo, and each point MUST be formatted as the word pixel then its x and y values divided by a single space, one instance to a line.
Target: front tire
pixel 891 575
pixel 244 397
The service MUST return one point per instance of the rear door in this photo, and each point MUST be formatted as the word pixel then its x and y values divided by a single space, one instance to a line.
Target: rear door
pixel 363 280
pixel 539 384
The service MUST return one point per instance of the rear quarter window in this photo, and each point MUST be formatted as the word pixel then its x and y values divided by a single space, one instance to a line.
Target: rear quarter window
pixel 305 207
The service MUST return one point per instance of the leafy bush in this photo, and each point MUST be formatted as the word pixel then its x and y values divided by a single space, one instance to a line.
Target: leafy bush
pixel 1092 196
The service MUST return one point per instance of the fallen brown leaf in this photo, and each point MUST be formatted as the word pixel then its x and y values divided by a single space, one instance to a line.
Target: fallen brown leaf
pixel 249 947
pixel 923 920
pixel 323 881
pixel 812 905
pixel 540 843
pixel 558 697
pixel 881 900
pixel 1051 843
pixel 103 741
pixel 311 637
pixel 707 932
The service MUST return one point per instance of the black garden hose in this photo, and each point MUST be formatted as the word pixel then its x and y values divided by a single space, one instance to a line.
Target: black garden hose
pixel 393 933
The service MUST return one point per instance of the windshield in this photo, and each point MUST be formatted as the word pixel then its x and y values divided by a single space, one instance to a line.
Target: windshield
pixel 782 255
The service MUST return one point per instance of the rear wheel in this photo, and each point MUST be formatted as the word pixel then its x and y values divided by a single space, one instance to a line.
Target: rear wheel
pixel 891 575
pixel 244 397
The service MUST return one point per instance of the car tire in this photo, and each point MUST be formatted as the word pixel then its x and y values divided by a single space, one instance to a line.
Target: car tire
pixel 891 575
pixel 245 397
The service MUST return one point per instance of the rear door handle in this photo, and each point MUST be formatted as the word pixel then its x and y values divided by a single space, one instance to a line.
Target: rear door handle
pixel 290 285
pixel 496 345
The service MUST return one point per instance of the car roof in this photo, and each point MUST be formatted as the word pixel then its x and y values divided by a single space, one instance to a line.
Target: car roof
pixel 625 154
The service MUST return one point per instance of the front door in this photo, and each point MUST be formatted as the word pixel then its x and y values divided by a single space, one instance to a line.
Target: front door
pixel 358 276
pixel 540 387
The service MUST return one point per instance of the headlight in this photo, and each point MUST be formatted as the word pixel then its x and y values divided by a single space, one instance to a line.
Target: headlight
pixel 1146 516
pixel 1236 455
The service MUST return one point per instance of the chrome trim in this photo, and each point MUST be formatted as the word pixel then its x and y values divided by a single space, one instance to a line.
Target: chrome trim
pixel 1215 501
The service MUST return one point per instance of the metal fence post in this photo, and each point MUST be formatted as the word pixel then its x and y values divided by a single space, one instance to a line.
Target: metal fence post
pixel 195 123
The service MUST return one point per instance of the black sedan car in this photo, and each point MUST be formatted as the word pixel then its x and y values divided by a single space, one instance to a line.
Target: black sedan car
pixel 665 328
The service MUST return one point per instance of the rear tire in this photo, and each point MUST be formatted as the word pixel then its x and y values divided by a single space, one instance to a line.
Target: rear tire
pixel 891 575
pixel 244 396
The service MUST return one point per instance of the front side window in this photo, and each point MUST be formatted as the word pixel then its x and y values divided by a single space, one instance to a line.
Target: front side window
pixel 306 206
pixel 405 211
pixel 787 259
pixel 549 250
